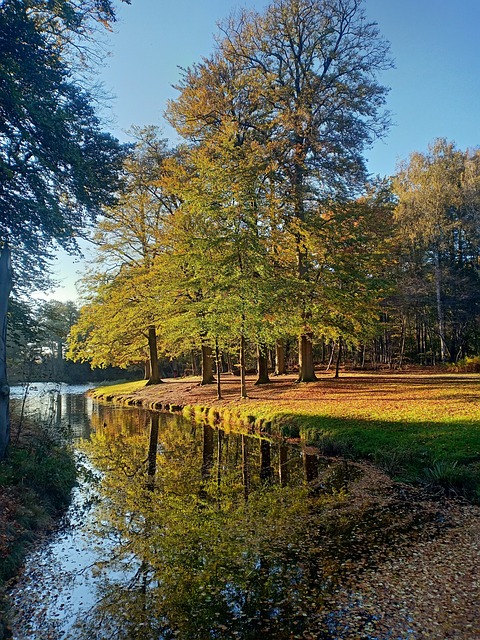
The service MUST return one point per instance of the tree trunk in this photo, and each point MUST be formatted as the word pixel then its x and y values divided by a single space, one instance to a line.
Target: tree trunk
pixel 152 347
pixel 194 364
pixel 266 471
pixel 245 474
pixel 207 455
pixel 306 371
pixel 152 450
pixel 280 369
pixel 243 385
pixel 262 361
pixel 219 382
pixel 207 365
pixel 339 356
pixel 147 369
pixel 5 286
pixel 283 464
pixel 440 315
pixel 332 351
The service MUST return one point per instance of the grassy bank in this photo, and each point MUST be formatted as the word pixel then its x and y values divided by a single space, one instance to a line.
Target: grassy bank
pixel 418 427
pixel 35 485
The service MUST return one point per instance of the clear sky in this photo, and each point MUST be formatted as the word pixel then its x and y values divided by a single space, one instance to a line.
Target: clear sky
pixel 434 87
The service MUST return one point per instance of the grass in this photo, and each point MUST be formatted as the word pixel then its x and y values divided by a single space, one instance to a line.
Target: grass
pixel 120 389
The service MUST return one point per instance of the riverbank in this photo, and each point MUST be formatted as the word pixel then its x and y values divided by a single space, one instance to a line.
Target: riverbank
pixel 419 427
pixel 35 486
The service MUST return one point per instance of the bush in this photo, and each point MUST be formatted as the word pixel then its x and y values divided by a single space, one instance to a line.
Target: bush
pixel 35 486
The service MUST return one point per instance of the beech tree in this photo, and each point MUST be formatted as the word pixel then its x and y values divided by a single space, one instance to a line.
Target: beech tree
pixel 228 197
pixel 117 325
pixel 299 81
pixel 57 166
pixel 313 64
pixel 129 238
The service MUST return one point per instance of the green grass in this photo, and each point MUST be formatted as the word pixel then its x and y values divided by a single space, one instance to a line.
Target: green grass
pixel 120 389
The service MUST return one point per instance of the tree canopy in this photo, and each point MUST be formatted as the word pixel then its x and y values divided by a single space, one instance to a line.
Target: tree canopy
pixel 57 166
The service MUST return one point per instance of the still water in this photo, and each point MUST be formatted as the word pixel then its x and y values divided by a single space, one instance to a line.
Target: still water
pixel 180 530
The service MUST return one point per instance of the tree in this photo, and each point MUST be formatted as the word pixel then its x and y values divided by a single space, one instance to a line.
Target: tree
pixel 438 219
pixel 313 64
pixel 117 325
pixel 130 238
pixel 56 165
pixel 55 319
pixel 5 285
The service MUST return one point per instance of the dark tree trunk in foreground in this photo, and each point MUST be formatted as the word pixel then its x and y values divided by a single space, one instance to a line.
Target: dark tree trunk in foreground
pixel 262 365
pixel 5 286
pixel 152 347
pixel 207 365
pixel 306 371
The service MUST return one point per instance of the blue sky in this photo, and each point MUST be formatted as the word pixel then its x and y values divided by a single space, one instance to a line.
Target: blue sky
pixel 434 87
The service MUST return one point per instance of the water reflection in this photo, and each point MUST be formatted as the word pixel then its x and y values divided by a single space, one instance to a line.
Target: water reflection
pixel 56 405
pixel 212 539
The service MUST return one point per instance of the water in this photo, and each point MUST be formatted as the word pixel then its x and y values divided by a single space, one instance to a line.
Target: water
pixel 183 531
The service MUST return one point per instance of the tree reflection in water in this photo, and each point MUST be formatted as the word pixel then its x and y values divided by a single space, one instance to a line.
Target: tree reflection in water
pixel 210 543
pixel 210 540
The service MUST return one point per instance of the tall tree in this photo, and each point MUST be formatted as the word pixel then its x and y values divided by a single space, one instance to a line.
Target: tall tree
pixel 313 63
pixel 57 166
pixel 5 286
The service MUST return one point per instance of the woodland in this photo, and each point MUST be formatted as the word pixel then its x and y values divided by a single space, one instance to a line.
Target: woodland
pixel 259 245
pixel 259 242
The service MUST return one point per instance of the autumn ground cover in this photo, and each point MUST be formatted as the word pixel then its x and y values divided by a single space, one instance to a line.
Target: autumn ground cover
pixel 416 426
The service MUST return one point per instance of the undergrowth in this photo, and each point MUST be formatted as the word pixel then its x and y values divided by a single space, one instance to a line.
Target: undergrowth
pixel 36 481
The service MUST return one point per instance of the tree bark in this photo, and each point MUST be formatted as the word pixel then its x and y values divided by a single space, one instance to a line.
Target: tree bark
pixel 152 347
pixel 219 365
pixel 243 385
pixel 207 365
pixel 339 356
pixel 262 361
pixel 306 371
pixel 280 369
pixel 440 315
pixel 147 369
pixel 5 287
